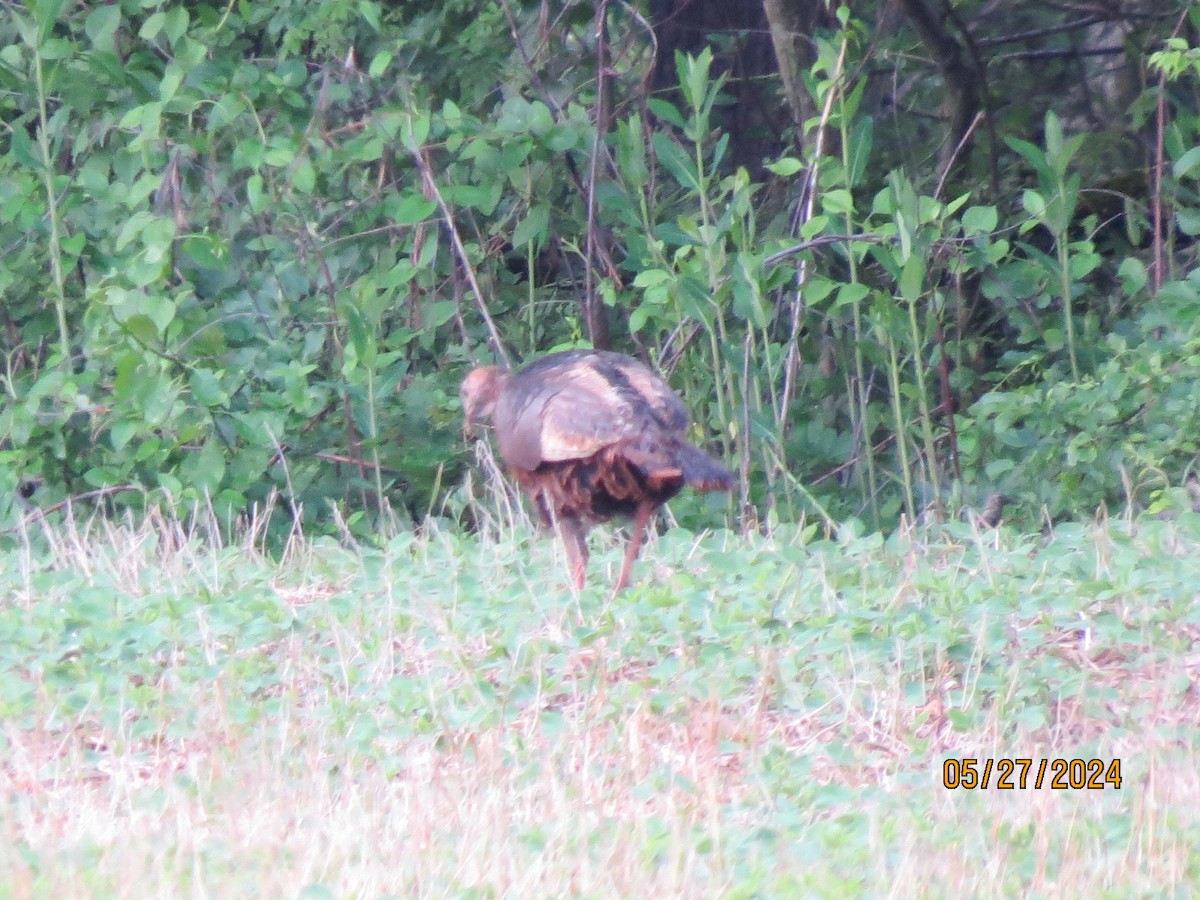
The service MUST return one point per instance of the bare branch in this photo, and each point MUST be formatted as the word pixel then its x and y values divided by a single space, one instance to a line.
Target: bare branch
pixel 1035 33
pixel 460 251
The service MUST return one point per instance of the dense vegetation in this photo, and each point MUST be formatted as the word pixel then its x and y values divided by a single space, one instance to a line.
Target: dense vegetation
pixel 924 257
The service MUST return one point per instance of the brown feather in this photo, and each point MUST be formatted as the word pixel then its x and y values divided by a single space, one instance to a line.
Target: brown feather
pixel 590 435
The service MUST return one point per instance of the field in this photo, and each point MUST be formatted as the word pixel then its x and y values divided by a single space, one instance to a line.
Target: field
pixel 437 715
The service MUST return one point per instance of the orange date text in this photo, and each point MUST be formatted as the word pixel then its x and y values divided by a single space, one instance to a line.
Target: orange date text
pixel 1019 773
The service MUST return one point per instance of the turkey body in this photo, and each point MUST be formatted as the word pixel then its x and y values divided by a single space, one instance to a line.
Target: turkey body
pixel 590 435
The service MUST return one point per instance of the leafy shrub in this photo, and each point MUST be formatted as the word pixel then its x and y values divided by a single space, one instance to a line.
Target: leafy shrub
pixel 1116 435
pixel 252 248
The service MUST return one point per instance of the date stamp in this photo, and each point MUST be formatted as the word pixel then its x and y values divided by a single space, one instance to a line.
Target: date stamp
pixel 1020 773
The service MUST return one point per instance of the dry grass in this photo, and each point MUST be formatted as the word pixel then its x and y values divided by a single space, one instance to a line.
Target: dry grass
pixel 434 718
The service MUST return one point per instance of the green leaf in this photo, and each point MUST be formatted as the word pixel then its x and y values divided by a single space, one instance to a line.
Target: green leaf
pixel 142 328
pixel 928 210
pixel 1034 204
pixel 1054 136
pixel 631 153
pixel 360 337
pixel 533 228
pixel 101 25
pixel 254 193
pixel 912 278
pixel 837 202
pixel 862 139
pixel 957 203
pixel 203 469
pixel 667 112
pixel 748 301
pixel 23 149
pixel 959 720
pixel 1188 220
pixel 785 167
pixel 438 312
pixel 152 26
pixel 45 13
pixel 481 197
pixel 161 310
pixel 694 297
pixel 997 468
pixel 380 63
pixel 176 27
pixel 414 130
pixel 191 53
pixel 1082 263
pixel 1031 152
pixel 651 277
pixel 979 220
pixel 818 288
pixel 206 251
pixel 304 176
pixel 121 433
pixel 1133 275
pixel 279 154
pixel 411 208
pixel 694 76
pixel 849 294
pixel 676 161
pixel 638 317
pixel 172 78
pixel 207 389
pixel 1184 165
pixel 370 12
pixel 27 29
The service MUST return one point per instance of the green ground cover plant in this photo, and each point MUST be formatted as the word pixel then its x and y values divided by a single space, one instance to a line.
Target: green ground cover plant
pixel 436 714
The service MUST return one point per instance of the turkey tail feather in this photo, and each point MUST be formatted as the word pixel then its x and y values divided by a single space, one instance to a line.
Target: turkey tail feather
pixel 701 471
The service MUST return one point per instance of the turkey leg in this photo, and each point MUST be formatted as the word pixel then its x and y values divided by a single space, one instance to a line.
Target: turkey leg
pixel 574 538
pixel 641 519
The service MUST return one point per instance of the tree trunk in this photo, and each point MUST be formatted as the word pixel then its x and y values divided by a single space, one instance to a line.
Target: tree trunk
pixel 791 23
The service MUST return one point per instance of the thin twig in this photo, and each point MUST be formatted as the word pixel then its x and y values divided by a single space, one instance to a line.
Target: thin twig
pixel 1158 269
pixel 949 165
pixel 649 31
pixel 43 511
pixel 600 124
pixel 823 240
pixel 1071 52
pixel 461 252
pixel 805 213
pixel 1038 32
pixel 527 61
pixel 1156 204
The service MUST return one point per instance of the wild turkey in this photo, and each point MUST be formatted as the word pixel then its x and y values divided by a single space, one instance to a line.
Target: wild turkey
pixel 590 435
